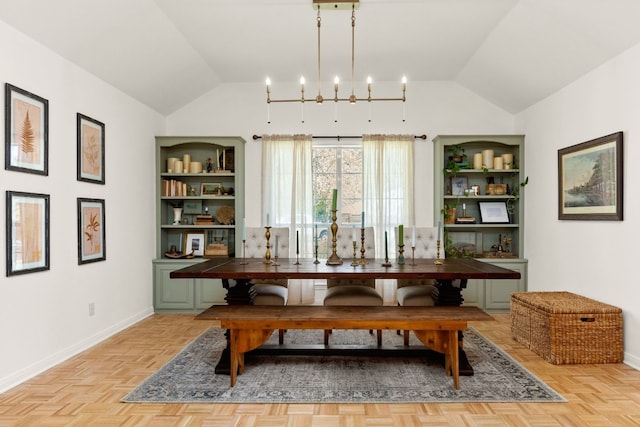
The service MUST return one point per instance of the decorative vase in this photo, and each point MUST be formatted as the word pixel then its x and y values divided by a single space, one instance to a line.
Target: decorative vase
pixel 177 216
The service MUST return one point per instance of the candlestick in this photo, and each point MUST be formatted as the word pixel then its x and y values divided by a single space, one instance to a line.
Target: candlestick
pixel 334 259
pixel 400 254
pixel 267 253
pixel 316 247
pixel 363 261
pixel 438 261
pixel 297 242
pixel 355 262
pixel 413 255
pixel 244 248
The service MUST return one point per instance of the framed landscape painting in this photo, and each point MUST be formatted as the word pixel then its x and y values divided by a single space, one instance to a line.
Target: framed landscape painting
pixel 90 150
pixel 27 232
pixel 91 231
pixel 26 132
pixel 590 180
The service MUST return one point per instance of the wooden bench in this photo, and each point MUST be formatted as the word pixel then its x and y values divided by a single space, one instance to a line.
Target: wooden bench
pixel 436 327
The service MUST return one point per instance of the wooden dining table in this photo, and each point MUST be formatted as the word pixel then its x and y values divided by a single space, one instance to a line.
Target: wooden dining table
pixel 236 275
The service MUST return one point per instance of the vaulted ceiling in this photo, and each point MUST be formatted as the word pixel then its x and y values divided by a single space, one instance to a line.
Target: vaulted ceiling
pixel 166 53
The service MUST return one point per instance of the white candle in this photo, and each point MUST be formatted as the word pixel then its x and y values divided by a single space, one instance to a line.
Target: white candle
pixel 363 219
pixel 276 245
pixel 354 233
pixel 413 236
pixel 267 224
pixel 244 229
pixel 439 225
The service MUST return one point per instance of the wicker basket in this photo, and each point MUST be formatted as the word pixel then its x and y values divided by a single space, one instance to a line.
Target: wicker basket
pixel 565 328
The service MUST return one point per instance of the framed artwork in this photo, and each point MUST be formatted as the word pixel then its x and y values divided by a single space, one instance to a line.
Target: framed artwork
pixel 458 185
pixel 26 131
pixel 493 212
pixel 90 149
pixel 590 179
pixel 195 243
pixel 210 188
pixel 192 207
pixel 91 231
pixel 27 232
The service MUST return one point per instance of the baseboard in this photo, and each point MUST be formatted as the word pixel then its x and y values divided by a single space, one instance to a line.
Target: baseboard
pixel 50 361
pixel 633 361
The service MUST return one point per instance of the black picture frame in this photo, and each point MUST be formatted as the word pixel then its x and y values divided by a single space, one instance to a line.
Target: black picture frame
pixel 494 212
pixel 590 180
pixel 27 225
pixel 26 130
pixel 90 149
pixel 91 230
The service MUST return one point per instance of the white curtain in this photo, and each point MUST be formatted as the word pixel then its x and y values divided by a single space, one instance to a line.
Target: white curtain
pixel 388 193
pixel 287 198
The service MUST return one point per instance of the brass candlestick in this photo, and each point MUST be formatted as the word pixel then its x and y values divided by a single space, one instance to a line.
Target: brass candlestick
pixel 267 253
pixel 400 254
pixel 413 255
pixel 438 261
pixel 334 259
pixel 244 248
pixel 316 260
pixel 355 259
pixel 362 249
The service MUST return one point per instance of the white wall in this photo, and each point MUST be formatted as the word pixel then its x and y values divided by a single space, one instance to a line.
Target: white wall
pixel 431 108
pixel 44 316
pixel 591 258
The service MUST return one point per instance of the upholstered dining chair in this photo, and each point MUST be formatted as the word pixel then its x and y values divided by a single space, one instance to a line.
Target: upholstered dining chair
pixel 417 292
pixel 268 291
pixel 356 292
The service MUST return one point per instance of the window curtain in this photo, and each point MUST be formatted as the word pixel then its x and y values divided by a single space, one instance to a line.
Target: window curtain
pixel 388 193
pixel 287 197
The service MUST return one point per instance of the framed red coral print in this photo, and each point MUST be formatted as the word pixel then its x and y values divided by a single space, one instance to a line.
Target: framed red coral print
pixel 91 231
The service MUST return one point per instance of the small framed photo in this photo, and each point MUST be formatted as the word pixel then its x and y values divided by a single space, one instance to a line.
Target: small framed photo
pixel 493 212
pixel 210 188
pixel 195 244
pixel 27 232
pixel 91 231
pixel 90 149
pixel 192 207
pixel 458 185
pixel 26 131
pixel 590 180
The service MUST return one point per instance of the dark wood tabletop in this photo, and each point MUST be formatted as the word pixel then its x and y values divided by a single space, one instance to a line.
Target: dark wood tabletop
pixel 255 268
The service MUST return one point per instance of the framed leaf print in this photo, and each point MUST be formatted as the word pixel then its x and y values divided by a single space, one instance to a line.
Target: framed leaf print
pixel 91 231
pixel 27 232
pixel 90 136
pixel 26 131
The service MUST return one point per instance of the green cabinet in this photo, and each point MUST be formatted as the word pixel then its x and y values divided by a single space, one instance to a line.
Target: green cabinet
pixel 199 211
pixel 479 198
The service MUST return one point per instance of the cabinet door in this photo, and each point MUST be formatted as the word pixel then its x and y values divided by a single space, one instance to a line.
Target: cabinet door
pixel 498 292
pixel 473 294
pixel 171 294
pixel 209 292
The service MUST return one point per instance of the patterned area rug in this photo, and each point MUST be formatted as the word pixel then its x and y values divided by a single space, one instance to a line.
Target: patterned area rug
pixel 190 377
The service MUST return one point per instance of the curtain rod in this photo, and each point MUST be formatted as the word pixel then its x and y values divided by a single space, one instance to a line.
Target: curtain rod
pixel 338 137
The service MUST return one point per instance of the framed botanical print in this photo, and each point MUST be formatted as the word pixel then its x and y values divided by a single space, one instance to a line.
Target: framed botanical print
pixel 26 133
pixel 90 150
pixel 27 232
pixel 91 231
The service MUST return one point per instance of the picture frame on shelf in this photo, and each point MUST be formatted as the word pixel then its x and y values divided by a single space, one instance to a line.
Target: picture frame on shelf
pixel 27 232
pixel 195 243
pixel 192 207
pixel 26 131
pixel 590 180
pixel 90 149
pixel 217 243
pixel 210 188
pixel 91 231
pixel 493 212
pixel 458 185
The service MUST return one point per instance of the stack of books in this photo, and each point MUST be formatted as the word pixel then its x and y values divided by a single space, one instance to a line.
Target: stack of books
pixel 204 220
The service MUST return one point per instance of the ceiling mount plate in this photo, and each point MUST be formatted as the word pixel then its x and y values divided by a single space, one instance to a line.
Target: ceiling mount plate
pixel 336 4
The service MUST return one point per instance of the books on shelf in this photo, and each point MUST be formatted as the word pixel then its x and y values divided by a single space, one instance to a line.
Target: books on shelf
pixel 173 188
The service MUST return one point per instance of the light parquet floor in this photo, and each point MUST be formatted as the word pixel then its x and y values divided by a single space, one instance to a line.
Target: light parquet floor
pixel 86 391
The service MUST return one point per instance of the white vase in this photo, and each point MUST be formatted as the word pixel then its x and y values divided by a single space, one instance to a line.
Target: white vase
pixel 177 215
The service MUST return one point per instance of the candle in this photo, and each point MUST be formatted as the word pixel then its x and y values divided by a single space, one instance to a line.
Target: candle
pixel 354 233
pixel 316 235
pixel 297 243
pixel 267 225
pixel 217 159
pixel 439 225
pixel 413 236
pixel 386 248
pixel 276 245
pixel 362 219
pixel 401 234
pixel 244 229
pixel 334 200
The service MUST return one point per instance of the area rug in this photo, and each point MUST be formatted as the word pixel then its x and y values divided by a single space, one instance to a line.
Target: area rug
pixel 189 377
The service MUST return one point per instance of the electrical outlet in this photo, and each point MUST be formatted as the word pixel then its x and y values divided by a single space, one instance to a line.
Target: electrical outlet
pixel 92 309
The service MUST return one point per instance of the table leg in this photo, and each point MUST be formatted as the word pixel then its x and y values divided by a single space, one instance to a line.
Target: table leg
pixel 239 292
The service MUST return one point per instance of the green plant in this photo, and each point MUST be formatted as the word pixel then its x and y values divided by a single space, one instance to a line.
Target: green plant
pixel 515 193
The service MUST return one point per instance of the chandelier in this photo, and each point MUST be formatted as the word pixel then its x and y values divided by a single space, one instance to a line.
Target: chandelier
pixel 352 98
